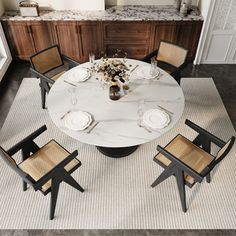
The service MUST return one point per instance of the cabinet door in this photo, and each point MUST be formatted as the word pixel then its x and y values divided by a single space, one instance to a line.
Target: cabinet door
pixel 164 31
pixel 89 39
pixel 188 34
pixel 130 37
pixel 127 31
pixel 134 51
pixel 25 37
pixel 66 36
pixel 41 35
pixel 19 38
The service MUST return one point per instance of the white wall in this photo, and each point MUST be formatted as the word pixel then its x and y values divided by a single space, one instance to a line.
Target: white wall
pixel 61 4
pixel 5 55
pixel 143 2
pixel 1 7
pixel 220 43
pixel 206 7
pixel 88 4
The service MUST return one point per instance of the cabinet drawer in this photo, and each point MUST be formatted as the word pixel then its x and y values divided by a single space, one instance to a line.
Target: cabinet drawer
pixel 127 31
pixel 135 51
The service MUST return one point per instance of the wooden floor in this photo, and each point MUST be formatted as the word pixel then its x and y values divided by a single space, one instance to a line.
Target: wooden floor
pixel 225 80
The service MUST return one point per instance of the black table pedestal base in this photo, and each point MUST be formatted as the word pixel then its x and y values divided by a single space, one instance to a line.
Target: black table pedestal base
pixel 117 152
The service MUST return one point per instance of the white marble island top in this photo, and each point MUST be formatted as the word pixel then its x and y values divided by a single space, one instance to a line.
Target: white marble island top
pixel 118 120
pixel 116 13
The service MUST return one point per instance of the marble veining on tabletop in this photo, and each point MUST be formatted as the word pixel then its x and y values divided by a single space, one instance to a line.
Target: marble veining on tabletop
pixel 115 13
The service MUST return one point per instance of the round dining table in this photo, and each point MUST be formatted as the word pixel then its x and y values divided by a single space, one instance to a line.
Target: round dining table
pixel 117 132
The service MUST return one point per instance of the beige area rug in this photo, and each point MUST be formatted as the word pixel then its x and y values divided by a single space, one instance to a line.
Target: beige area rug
pixel 118 193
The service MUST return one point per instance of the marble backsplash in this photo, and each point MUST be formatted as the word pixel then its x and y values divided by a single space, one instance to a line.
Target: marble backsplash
pixel 115 13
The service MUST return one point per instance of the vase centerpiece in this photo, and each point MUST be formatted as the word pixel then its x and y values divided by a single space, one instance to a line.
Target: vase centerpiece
pixel 113 72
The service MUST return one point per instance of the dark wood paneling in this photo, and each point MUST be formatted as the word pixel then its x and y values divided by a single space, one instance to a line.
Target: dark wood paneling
pixel 20 39
pixel 25 37
pixel 78 38
pixel 135 51
pixel 137 31
pixel 188 34
pixel 134 38
pixel 41 35
pixel 164 31
pixel 66 36
pixel 90 39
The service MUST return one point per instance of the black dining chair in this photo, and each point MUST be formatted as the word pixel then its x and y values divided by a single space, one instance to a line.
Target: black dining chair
pixel 48 65
pixel 190 161
pixel 43 168
pixel 170 57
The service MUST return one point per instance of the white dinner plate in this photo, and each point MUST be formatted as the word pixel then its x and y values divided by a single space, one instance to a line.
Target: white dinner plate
pixel 144 72
pixel 156 119
pixel 78 75
pixel 77 120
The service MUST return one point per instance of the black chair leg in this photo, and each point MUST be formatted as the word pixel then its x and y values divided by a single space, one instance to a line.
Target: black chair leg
pixel 71 181
pixel 54 194
pixel 177 77
pixel 164 175
pixel 24 186
pixel 43 97
pixel 181 187
pixel 208 178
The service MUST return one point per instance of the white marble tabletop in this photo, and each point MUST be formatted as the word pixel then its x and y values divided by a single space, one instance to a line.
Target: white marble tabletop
pixel 118 120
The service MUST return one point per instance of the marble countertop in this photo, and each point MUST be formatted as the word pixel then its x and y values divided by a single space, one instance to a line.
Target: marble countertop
pixel 115 13
pixel 118 120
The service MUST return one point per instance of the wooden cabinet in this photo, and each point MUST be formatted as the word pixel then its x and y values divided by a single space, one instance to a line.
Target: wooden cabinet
pixel 26 38
pixel 185 34
pixel 188 34
pixel 164 31
pixel 76 39
pixel 66 35
pixel 130 37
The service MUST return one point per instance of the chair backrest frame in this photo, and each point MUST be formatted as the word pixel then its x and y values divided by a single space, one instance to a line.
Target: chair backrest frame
pixel 12 164
pixel 171 56
pixel 49 59
pixel 226 149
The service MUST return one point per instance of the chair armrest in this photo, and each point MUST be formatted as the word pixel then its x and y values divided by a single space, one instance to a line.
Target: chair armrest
pixel 198 177
pixel 212 138
pixel 149 56
pixel 38 185
pixel 181 67
pixel 38 74
pixel 24 142
pixel 72 63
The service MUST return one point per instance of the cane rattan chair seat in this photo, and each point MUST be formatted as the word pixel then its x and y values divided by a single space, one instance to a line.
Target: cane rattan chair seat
pixel 190 161
pixel 41 162
pixel 55 77
pixel 43 168
pixel 188 153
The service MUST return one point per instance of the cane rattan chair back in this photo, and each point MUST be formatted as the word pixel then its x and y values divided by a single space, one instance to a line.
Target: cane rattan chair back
pixel 170 57
pixel 172 54
pixel 48 65
pixel 47 59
